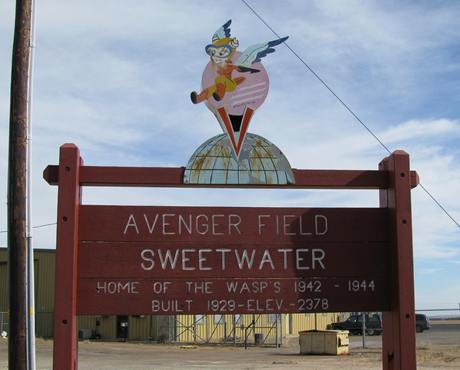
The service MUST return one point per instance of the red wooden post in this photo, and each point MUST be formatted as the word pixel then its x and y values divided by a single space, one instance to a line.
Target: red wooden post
pixel 399 324
pixel 65 319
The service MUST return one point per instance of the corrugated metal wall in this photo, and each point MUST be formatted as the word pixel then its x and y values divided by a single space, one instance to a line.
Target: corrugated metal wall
pixel 44 324
pixel 3 285
pixel 234 328
pixel 182 328
pixel 107 328
pixel 44 281
pixel 44 290
pixel 311 321
pixel 140 327
pixel 4 317
pixel 44 293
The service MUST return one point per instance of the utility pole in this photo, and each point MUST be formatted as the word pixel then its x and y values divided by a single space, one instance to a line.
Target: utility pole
pixel 30 323
pixel 17 187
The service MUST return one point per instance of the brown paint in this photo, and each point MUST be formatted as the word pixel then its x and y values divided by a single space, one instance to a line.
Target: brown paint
pixel 361 244
pixel 123 260
pixel 173 177
pixel 251 296
pixel 255 225
pixel 65 307
pixel 399 322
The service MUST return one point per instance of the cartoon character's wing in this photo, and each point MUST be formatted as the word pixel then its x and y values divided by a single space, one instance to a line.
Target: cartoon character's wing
pixel 222 32
pixel 255 53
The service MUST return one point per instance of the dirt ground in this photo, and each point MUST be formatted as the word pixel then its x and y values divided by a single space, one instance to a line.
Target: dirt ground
pixel 438 348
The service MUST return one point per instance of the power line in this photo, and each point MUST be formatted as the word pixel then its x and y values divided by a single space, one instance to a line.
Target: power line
pixel 44 225
pixel 439 309
pixel 343 103
pixel 34 227
pixel 439 204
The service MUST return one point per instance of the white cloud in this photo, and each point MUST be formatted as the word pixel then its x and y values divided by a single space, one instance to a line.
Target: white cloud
pixel 429 271
pixel 421 129
pixel 115 80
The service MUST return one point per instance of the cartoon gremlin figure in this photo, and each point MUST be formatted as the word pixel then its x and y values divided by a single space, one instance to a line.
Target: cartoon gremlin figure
pixel 221 51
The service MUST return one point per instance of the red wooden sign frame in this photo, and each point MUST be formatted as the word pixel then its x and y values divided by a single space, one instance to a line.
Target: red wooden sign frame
pixel 78 239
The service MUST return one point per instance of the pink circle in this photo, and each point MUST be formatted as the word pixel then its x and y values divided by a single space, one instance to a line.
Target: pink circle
pixel 250 93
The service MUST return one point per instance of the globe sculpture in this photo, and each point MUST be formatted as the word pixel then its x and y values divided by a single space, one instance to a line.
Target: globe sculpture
pixel 259 162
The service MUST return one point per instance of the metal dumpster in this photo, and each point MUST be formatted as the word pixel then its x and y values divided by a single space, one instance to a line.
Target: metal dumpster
pixel 323 342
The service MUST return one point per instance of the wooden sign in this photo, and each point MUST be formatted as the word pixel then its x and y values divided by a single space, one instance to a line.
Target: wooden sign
pixel 187 260
pixel 207 260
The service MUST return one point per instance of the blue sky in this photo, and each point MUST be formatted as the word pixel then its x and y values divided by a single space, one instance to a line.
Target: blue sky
pixel 115 78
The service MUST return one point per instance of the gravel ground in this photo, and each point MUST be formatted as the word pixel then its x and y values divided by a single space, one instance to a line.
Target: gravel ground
pixel 438 348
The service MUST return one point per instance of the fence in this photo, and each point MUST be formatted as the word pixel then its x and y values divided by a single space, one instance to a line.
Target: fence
pixel 4 318
pixel 232 329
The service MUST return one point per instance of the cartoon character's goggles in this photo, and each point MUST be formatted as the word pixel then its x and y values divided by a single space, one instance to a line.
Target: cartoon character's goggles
pixel 222 51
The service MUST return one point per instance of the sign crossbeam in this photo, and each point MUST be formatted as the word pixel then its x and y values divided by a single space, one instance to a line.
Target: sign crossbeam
pixel 173 177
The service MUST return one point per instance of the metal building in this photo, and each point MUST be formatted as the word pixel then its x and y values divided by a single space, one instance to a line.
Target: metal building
pixel 232 329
